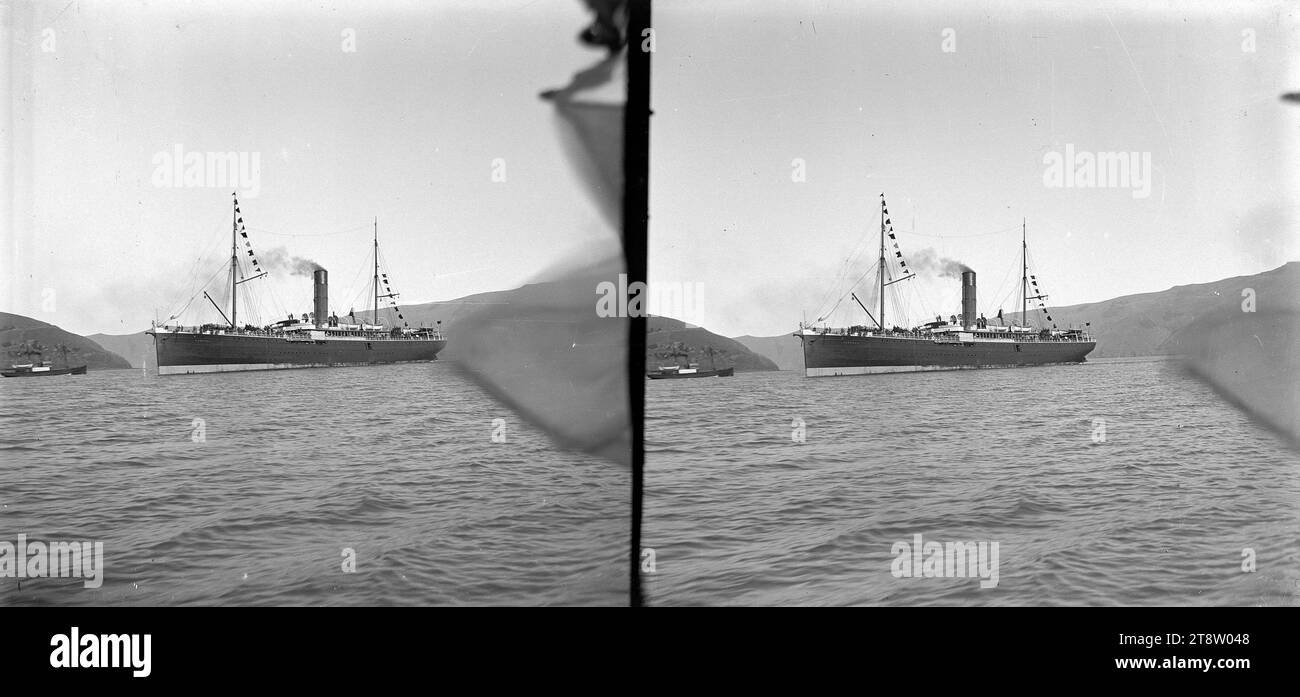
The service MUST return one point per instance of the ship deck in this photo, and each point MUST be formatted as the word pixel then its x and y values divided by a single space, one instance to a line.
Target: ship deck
pixel 208 350
pixel 302 334
pixel 949 337
pixel 848 352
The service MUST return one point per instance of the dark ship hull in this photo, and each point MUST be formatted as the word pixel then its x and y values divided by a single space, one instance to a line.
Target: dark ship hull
pixel 676 375
pixel 964 341
pixel 195 352
pixel 848 354
pixel 318 340
pixel 30 373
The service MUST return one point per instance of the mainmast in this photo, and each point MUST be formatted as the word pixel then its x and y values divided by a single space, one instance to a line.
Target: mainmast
pixel 378 295
pixel 234 258
pixel 376 315
pixel 1024 275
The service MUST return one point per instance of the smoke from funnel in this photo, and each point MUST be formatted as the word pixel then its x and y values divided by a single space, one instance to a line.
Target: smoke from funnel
pixel 927 261
pixel 278 259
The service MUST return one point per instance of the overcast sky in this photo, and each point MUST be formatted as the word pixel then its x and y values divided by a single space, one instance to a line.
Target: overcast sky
pixel 867 97
pixel 405 128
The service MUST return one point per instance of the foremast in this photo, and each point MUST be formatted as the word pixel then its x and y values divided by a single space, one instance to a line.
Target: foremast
pixel 235 279
pixel 907 275
pixel 881 321
pixel 234 259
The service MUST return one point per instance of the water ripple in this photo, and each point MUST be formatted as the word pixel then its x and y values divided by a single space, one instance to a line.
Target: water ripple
pixel 1159 512
pixel 393 462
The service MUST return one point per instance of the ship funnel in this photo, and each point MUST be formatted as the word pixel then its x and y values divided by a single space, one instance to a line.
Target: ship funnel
pixel 968 299
pixel 322 287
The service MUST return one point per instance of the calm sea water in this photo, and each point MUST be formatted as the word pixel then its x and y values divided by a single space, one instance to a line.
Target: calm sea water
pixel 1158 513
pixel 394 462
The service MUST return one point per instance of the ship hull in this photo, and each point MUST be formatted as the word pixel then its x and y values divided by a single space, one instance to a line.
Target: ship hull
pixel 182 353
pixel 29 373
pixel 720 373
pixel 827 355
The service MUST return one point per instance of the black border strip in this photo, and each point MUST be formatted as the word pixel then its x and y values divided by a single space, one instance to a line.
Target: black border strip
pixel 636 207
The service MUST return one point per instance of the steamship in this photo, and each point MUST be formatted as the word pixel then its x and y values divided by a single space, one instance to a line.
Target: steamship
pixel 318 339
pixel 965 341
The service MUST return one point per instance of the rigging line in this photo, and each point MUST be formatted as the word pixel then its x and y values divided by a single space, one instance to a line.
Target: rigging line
pixel 1002 285
pixel 254 306
pixel 195 266
pixel 916 299
pixel 391 288
pixel 1002 302
pixel 386 304
pixel 307 234
pixel 217 239
pixel 221 296
pixel 279 307
pixel 904 310
pixel 177 314
pixel 268 289
pixel 924 304
pixel 358 300
pixel 196 294
pixel 846 267
pixel 961 237
pixel 842 273
pixel 248 300
pixel 1034 269
pixel 897 308
pixel 194 291
pixel 901 298
pixel 360 291
pixel 384 264
pixel 354 284
pixel 1141 83
pixel 350 303
pixel 891 298
pixel 1045 309
pixel 256 293
pixel 850 290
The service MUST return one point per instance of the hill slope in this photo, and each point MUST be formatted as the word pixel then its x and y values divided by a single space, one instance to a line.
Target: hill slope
pixel 135 348
pixel 16 329
pixel 663 332
pixel 1151 324
pixel 785 350
pixel 1146 324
